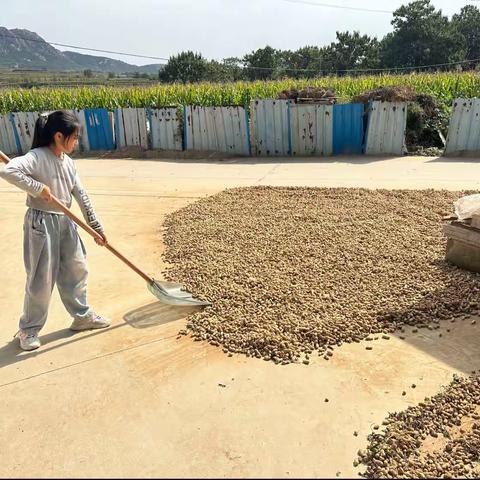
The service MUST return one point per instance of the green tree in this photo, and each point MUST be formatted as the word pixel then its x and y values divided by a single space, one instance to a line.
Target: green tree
pixel 88 73
pixel 186 67
pixel 351 51
pixel 467 22
pixel 262 64
pixel 228 70
pixel 305 62
pixel 422 35
pixel 234 66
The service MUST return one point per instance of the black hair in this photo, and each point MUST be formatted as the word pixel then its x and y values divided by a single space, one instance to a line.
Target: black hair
pixel 47 126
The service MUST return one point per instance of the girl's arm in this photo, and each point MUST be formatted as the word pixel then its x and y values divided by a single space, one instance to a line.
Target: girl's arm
pixel 80 195
pixel 18 172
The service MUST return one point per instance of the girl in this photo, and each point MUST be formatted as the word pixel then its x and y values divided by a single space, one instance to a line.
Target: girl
pixel 53 251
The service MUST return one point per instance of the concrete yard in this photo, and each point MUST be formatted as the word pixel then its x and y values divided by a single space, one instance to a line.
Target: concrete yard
pixel 135 401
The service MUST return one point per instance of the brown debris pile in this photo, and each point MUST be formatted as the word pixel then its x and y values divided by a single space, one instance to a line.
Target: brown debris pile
pixel 438 438
pixel 387 94
pixel 291 271
pixel 309 95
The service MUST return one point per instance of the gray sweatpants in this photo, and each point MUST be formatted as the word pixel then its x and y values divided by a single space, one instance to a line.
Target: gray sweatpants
pixel 53 253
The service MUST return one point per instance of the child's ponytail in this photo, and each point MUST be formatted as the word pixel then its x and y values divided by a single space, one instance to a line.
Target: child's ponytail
pixel 47 126
pixel 41 138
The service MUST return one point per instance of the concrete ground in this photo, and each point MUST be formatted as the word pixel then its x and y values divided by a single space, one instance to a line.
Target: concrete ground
pixel 135 401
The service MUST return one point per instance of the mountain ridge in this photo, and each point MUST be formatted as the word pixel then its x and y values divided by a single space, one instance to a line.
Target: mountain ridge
pixel 24 49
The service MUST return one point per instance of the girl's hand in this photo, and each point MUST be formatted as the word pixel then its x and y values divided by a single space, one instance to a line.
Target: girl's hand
pixel 46 194
pixel 103 241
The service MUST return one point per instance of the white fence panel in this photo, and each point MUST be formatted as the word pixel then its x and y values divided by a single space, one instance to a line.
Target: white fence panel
pixel 25 126
pixel 8 144
pixel 131 127
pixel 464 130
pixel 386 128
pixel 165 128
pixel 270 127
pixel 220 129
pixel 311 129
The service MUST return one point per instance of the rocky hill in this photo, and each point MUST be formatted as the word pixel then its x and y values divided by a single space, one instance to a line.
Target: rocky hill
pixel 26 50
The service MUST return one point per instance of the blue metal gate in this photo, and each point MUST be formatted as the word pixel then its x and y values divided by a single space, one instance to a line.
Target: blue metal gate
pixel 348 129
pixel 99 129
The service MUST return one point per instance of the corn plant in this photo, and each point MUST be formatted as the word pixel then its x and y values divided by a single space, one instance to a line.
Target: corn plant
pixel 445 86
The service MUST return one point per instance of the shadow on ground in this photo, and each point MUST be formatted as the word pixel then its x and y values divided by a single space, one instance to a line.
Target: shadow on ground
pixel 457 340
pixel 156 314
pixel 459 348
pixel 219 158
pixel 11 353
pixel 151 315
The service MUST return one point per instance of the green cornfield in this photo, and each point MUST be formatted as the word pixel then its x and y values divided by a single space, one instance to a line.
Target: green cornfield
pixel 445 86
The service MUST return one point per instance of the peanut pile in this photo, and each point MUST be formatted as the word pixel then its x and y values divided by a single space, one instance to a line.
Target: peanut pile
pixel 438 438
pixel 295 271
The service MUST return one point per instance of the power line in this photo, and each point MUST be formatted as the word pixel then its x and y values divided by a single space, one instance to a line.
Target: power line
pixel 357 70
pixel 109 51
pixel 319 70
pixel 80 48
pixel 345 7
pixel 340 7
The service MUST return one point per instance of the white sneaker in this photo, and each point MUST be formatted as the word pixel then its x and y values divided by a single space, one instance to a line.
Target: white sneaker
pixel 28 340
pixel 91 322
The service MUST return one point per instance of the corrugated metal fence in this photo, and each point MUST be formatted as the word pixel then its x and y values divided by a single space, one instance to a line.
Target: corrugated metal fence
pixel 387 122
pixel 131 127
pixel 349 122
pixel 270 128
pixel 101 129
pixel 219 129
pixel 165 128
pixel 17 129
pixel 99 133
pixel 9 142
pixel 276 128
pixel 311 130
pixel 281 127
pixel 24 128
pixel 464 130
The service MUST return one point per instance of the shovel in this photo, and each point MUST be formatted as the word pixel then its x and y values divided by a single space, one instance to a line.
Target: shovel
pixel 167 292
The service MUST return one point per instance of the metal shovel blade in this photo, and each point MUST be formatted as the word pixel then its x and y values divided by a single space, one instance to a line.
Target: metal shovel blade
pixel 174 289
pixel 172 294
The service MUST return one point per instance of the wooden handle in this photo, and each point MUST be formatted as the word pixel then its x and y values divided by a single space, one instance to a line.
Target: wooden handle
pixel 127 262
pixel 90 230
pixel 3 157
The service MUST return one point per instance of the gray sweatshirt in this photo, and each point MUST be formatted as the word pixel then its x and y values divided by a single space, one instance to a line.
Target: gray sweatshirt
pixel 40 167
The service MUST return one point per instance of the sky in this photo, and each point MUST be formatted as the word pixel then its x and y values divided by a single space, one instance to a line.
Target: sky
pixel 216 28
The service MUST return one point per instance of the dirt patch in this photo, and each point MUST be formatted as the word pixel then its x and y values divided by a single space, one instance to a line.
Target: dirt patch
pixel 292 271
